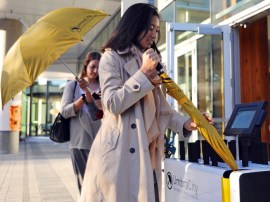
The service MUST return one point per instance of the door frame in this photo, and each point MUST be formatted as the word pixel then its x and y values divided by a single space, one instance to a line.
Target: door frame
pixel 205 29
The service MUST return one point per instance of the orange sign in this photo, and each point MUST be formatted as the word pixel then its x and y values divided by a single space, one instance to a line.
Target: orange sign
pixel 15 120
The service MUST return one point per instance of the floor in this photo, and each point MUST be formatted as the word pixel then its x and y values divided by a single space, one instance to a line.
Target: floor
pixel 40 172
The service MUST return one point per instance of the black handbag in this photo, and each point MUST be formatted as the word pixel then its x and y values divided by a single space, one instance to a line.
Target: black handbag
pixel 60 131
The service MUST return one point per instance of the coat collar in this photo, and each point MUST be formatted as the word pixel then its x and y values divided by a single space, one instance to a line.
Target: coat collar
pixel 131 49
pixel 133 64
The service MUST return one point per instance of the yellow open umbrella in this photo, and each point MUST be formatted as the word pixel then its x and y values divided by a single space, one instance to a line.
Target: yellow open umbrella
pixel 204 127
pixel 43 44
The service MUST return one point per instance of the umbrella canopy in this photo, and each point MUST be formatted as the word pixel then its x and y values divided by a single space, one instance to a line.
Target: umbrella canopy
pixel 204 127
pixel 42 45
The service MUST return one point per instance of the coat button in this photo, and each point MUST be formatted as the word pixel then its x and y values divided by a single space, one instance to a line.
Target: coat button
pixel 133 126
pixel 132 150
pixel 136 86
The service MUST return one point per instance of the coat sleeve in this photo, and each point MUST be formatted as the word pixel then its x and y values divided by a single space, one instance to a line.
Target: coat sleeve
pixel 118 95
pixel 67 109
pixel 170 117
pixel 177 122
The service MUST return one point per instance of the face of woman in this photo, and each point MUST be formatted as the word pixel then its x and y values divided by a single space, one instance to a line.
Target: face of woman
pixel 92 69
pixel 151 34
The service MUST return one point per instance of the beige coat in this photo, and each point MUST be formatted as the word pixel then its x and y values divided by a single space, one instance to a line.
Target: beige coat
pixel 126 148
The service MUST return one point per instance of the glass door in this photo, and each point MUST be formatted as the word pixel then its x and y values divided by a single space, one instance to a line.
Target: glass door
pixel 186 71
pixel 198 59
pixel 186 76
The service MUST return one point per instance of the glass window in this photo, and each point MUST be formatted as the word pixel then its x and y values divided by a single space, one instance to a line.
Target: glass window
pixel 210 76
pixel 198 11
pixel 185 74
pixel 228 8
pixel 44 101
pixel 162 37
pixel 24 114
pixel 167 14
pixel 195 11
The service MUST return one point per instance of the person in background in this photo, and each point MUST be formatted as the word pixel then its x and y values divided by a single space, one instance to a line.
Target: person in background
pixel 79 104
pixel 125 159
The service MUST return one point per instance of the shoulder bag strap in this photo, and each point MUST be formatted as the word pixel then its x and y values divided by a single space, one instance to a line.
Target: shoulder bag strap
pixel 75 85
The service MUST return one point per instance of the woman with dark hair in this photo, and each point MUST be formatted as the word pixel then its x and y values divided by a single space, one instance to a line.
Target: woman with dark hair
pixel 79 104
pixel 133 27
pixel 125 160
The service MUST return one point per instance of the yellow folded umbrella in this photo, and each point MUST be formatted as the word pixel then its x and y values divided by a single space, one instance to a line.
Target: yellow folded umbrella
pixel 204 127
pixel 43 44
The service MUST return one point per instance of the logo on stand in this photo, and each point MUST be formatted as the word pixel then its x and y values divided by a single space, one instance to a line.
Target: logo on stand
pixel 184 185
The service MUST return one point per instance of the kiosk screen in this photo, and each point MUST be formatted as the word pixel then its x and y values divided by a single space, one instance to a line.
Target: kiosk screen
pixel 245 118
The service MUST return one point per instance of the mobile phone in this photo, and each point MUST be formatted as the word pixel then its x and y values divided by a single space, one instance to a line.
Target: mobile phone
pixel 96 96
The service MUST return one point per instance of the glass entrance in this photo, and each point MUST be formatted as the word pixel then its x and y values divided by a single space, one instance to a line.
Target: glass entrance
pixel 41 103
pixel 185 73
pixel 196 61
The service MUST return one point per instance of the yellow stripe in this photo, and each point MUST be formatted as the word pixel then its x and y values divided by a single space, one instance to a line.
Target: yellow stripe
pixel 225 182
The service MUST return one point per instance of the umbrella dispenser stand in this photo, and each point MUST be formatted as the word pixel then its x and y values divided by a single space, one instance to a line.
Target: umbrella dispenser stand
pixel 216 176
pixel 245 125
pixel 204 175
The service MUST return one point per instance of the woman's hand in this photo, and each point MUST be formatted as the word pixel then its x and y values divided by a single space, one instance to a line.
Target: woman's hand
pixel 150 59
pixel 190 125
pixel 98 103
pixel 88 96
pixel 154 78
pixel 208 117
pixel 83 84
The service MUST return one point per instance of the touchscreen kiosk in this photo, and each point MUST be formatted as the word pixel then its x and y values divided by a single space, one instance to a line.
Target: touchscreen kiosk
pixel 245 119
pixel 245 123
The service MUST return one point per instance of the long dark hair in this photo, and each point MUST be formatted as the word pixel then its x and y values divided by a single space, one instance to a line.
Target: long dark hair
pixel 88 58
pixel 135 21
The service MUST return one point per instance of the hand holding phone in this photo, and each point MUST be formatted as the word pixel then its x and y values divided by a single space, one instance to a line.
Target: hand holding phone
pixel 96 96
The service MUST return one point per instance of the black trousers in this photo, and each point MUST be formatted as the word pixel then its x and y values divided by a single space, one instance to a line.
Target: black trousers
pixel 79 159
pixel 156 187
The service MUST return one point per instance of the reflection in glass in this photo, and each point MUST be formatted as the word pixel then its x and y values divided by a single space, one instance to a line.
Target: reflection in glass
pixel 228 8
pixel 41 104
pixel 195 11
pixel 210 76
pixel 204 11
pixel 184 64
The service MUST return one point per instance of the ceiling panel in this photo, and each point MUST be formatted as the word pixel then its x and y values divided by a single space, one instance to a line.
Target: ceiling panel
pixel 31 10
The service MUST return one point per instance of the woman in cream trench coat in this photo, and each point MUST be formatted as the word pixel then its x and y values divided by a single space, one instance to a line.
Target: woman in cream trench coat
pixel 129 145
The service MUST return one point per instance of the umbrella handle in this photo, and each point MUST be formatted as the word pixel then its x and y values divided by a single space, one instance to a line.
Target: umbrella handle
pixel 68 68
pixel 159 66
